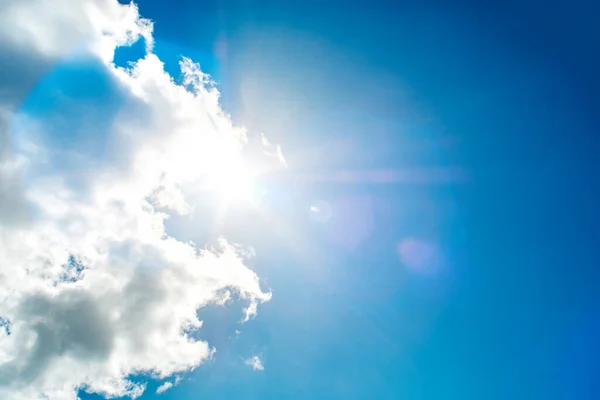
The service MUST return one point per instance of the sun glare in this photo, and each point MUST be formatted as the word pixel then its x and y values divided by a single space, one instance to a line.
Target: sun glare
pixel 234 183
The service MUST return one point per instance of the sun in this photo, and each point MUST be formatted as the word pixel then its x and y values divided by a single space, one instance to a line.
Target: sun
pixel 234 182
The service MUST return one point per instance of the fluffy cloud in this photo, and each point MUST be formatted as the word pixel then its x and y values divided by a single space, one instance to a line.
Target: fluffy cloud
pixel 93 290
pixel 52 28
pixel 255 363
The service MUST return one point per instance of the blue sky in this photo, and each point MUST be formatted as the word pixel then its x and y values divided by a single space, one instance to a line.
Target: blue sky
pixel 432 236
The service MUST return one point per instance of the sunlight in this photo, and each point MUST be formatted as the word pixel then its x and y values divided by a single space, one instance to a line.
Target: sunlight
pixel 233 182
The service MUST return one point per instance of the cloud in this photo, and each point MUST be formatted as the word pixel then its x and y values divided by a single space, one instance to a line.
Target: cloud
pixel 93 290
pixel 256 363
pixel 164 387
pixel 273 150
pixel 54 28
pixel 34 34
pixel 168 385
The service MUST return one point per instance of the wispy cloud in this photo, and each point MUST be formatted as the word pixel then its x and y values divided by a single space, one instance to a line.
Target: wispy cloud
pixel 256 363
pixel 164 387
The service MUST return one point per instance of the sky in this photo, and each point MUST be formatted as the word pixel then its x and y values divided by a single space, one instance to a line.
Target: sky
pixel 289 200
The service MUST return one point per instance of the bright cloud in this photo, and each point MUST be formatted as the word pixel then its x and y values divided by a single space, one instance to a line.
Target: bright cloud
pixel 255 363
pixel 92 288
pixel 164 387
pixel 53 28
pixel 168 385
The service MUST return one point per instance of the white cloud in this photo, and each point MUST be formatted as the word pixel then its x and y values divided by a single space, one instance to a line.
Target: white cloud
pixel 92 288
pixel 56 27
pixel 168 385
pixel 164 387
pixel 273 150
pixel 256 363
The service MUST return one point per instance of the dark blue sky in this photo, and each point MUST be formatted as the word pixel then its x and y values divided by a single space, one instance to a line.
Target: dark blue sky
pixel 488 116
